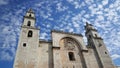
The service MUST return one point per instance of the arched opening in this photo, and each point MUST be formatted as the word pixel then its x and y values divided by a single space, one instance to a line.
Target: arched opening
pixel 29 23
pixel 30 33
pixel 74 49
pixel 71 56
pixel 96 35
pixel 105 52
pixel 89 36
pixel 24 44
pixel 29 15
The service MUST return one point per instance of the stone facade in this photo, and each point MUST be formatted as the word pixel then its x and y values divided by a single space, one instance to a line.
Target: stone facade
pixel 66 50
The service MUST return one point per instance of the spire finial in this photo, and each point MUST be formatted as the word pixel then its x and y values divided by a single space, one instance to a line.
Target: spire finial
pixel 86 23
pixel 30 10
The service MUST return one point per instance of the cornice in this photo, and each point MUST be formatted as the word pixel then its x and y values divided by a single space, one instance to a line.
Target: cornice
pixel 66 33
pixel 29 17
pixel 31 27
pixel 45 41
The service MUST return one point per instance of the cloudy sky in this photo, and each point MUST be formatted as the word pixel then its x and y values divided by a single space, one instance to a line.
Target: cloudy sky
pixel 63 15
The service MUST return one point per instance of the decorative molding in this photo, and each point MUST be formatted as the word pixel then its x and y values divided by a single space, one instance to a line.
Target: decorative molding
pixel 69 45
pixel 25 26
pixel 29 17
pixel 44 41
pixel 84 50
pixel 98 38
pixel 66 33
pixel 54 47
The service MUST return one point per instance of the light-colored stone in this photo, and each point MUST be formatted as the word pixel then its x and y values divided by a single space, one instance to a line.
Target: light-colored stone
pixel 66 50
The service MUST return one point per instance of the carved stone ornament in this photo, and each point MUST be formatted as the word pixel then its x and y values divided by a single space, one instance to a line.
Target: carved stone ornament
pixel 24 31
pixel 69 45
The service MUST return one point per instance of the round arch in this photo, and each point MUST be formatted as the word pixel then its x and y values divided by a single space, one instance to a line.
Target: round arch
pixel 77 44
pixel 75 40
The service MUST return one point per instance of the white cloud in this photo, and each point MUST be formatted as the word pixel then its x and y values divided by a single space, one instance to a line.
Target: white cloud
pixel 100 17
pixel 104 2
pixel 8 44
pixel 9 34
pixel 5 56
pixel 61 7
pixel 70 0
pixel 3 2
pixel 76 3
pixel 87 16
pixel 100 6
pixel 82 4
pixel 50 19
pixel 43 35
pixel 89 2
pixel 70 30
pixel 76 25
pixel 115 56
pixel 39 4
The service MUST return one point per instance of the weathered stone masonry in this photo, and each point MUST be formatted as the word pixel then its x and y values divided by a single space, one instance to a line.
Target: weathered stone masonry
pixel 65 50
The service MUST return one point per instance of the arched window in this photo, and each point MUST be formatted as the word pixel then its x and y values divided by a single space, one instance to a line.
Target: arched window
pixel 30 33
pixel 71 56
pixel 89 36
pixel 29 23
pixel 100 44
pixel 105 52
pixel 95 35
pixel 30 15
pixel 24 44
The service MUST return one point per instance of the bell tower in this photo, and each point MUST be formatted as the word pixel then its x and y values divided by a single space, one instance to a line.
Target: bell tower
pixel 29 19
pixel 26 54
pixel 96 43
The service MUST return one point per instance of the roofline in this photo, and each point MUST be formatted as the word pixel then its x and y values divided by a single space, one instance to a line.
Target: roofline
pixel 45 41
pixel 70 33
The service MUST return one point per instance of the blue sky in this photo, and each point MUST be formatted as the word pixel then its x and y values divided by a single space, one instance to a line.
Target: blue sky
pixel 64 15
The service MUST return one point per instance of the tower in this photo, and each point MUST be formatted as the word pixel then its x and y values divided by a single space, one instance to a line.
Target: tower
pixel 26 54
pixel 65 50
pixel 96 43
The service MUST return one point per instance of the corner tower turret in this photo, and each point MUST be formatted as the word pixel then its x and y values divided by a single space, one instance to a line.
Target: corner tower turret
pixel 91 32
pixel 96 43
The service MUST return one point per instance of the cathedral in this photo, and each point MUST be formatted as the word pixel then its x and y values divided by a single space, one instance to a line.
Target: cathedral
pixel 65 50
